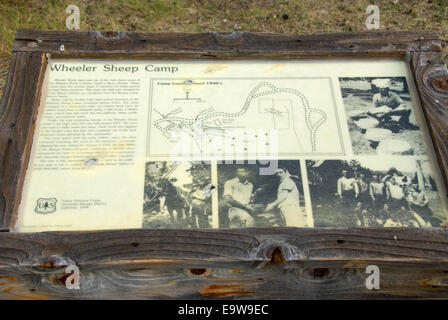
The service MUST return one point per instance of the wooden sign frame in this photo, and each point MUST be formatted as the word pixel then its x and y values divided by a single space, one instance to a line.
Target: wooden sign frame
pixel 279 263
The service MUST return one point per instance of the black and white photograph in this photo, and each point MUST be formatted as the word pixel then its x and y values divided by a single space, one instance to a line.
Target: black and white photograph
pixel 366 192
pixel 380 116
pixel 177 195
pixel 250 199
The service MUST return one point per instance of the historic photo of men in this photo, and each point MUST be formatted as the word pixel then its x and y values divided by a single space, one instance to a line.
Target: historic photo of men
pixel 398 192
pixel 177 195
pixel 380 116
pixel 250 199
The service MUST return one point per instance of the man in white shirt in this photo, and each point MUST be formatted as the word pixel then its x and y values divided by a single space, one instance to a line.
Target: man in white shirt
pixel 237 195
pixel 200 208
pixel 396 105
pixel 347 188
pixel 395 194
pixel 288 201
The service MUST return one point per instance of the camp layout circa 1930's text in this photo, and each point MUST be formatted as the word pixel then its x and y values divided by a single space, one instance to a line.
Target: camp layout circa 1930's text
pixel 230 144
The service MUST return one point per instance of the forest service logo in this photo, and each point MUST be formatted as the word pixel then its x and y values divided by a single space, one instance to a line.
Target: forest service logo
pixel 45 205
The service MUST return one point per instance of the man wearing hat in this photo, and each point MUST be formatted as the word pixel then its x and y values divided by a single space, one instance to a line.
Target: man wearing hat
pixel 395 106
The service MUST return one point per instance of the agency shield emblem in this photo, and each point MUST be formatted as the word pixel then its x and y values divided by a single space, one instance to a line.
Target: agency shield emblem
pixel 45 205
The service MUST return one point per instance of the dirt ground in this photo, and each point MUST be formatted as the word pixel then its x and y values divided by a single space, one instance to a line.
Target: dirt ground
pixel 332 215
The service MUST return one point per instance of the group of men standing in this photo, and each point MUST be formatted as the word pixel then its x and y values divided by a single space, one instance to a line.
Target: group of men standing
pixel 389 200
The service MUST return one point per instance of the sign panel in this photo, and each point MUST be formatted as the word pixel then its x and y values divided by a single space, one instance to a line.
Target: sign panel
pixel 230 144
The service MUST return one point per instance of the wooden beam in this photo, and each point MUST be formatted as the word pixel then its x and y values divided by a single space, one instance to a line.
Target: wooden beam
pixel 275 263
pixel 236 45
pixel 18 112
pixel 431 76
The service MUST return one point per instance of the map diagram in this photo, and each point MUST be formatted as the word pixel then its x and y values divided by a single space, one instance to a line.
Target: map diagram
pixel 265 106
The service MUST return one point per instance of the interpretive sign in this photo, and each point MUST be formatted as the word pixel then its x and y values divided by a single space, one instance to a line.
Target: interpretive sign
pixel 201 144
pixel 224 165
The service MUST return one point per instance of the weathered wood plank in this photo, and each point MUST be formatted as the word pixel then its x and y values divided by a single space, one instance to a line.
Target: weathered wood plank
pixel 18 112
pixel 237 45
pixel 431 76
pixel 285 263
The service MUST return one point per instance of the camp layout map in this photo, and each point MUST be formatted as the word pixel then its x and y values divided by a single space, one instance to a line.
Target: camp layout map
pixel 212 110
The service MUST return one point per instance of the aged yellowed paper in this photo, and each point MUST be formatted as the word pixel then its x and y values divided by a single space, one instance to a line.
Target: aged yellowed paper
pixel 229 144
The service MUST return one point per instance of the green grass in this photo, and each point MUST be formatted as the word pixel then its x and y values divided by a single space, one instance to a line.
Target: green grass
pixel 306 16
